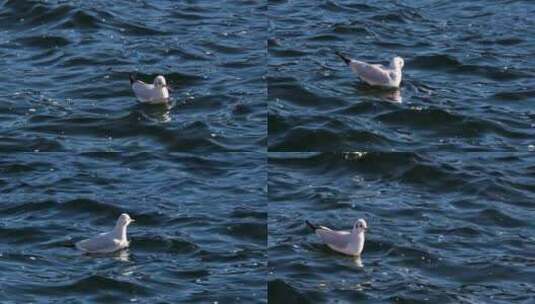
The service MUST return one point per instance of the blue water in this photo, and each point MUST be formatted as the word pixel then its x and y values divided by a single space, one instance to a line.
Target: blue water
pixel 199 234
pixel 66 64
pixel 257 139
pixel 443 227
pixel 468 78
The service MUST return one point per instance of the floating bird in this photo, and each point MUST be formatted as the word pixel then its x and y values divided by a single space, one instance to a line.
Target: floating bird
pixel 346 242
pixel 155 93
pixel 109 241
pixel 376 74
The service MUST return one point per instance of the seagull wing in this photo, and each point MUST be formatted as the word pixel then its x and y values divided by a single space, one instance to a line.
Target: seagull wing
pixel 101 243
pixel 334 239
pixel 144 92
pixel 373 74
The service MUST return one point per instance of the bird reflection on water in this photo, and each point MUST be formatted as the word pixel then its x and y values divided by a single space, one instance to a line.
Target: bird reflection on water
pixel 156 113
pixel 392 95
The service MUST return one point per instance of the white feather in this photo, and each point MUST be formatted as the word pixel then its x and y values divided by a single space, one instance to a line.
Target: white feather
pixel 346 242
pixel 376 74
pixel 109 241
pixel 150 93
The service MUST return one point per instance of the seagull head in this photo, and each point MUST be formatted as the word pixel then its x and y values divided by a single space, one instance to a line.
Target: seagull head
pixel 160 82
pixel 360 226
pixel 397 62
pixel 124 220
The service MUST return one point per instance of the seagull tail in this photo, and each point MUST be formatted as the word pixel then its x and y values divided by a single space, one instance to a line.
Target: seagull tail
pixel 132 79
pixel 346 59
pixel 312 226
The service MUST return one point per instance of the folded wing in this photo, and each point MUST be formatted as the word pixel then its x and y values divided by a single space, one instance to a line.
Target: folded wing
pixel 99 244
pixel 334 239
pixel 144 92
pixel 371 73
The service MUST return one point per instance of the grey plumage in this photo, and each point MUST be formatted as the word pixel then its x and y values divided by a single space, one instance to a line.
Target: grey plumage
pixel 346 242
pixel 152 93
pixel 376 74
pixel 109 241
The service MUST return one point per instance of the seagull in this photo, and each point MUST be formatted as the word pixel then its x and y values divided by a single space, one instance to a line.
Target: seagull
pixel 109 241
pixel 377 74
pixel 155 93
pixel 346 242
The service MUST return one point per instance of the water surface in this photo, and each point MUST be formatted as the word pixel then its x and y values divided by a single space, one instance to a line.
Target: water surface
pixel 65 73
pixel 468 79
pixel 443 227
pixel 199 236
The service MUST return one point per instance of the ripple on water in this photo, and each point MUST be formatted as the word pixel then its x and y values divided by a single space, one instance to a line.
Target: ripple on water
pixel 431 215
pixel 458 69
pixel 80 56
pixel 180 248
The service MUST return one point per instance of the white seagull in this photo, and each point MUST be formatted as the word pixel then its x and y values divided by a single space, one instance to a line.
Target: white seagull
pixel 155 93
pixel 377 74
pixel 346 242
pixel 109 241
